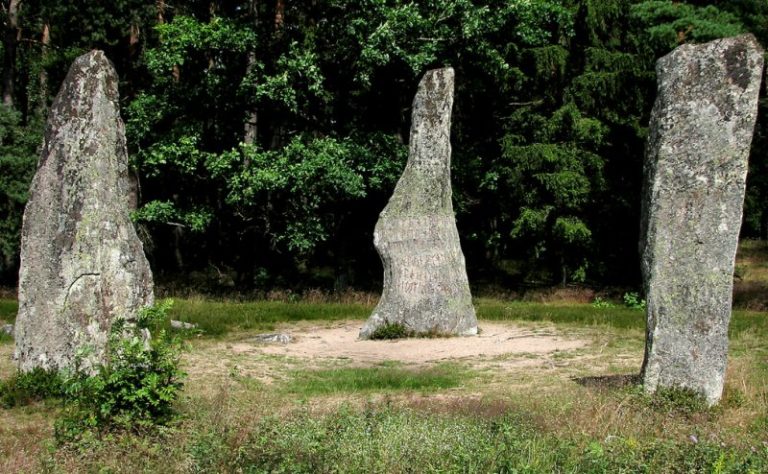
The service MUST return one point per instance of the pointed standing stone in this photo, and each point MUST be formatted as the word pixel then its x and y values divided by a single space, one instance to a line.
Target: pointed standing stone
pixel 695 170
pixel 82 265
pixel 425 278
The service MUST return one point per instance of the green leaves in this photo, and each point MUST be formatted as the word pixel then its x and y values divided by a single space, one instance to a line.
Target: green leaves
pixel 18 159
pixel 293 82
pixel 134 390
pixel 166 212
pixel 307 177
pixel 186 36
pixel 572 231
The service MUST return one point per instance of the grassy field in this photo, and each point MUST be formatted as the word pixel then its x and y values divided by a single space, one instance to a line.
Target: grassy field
pixel 571 411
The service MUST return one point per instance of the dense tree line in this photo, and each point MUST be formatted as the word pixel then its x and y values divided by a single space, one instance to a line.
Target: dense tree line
pixel 266 135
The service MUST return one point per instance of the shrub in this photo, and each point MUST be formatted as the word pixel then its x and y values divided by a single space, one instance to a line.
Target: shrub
pixel 27 387
pixel 633 300
pixel 601 303
pixel 136 387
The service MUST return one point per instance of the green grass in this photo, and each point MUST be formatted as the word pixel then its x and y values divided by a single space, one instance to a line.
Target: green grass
pixel 586 315
pixel 448 418
pixel 23 388
pixel 8 310
pixel 749 322
pixel 384 439
pixel 217 318
pixel 375 379
pixel 559 313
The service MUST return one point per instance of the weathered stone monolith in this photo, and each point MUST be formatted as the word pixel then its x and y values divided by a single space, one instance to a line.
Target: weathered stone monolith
pixel 82 264
pixel 695 170
pixel 425 278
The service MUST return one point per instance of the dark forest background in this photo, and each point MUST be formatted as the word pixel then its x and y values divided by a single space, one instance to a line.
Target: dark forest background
pixel 266 136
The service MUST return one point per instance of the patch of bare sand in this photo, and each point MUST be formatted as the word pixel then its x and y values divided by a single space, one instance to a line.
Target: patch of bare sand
pixel 340 342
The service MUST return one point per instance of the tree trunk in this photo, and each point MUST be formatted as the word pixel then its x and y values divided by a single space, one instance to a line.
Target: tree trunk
pixel 178 233
pixel 134 45
pixel 279 15
pixel 160 6
pixel 133 41
pixel 251 131
pixel 45 42
pixel 563 272
pixel 10 42
pixel 251 128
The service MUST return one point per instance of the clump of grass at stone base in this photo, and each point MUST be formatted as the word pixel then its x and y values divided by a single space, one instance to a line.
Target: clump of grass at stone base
pixel 390 331
pixel 25 388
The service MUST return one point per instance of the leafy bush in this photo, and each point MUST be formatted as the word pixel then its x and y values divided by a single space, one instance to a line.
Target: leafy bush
pixel 135 389
pixel 601 303
pixel 633 300
pixel 27 387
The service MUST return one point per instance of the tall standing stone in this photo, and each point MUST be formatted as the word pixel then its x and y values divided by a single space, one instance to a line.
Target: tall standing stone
pixel 695 170
pixel 425 277
pixel 82 264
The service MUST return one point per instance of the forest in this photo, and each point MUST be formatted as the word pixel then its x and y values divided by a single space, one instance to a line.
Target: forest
pixel 266 136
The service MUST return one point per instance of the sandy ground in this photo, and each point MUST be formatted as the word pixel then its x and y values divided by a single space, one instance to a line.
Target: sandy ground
pixel 340 341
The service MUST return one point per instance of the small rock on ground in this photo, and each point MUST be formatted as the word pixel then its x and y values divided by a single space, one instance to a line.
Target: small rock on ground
pixel 273 338
pixel 182 325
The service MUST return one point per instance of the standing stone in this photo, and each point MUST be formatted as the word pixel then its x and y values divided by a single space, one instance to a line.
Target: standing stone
pixel 695 170
pixel 82 264
pixel 425 278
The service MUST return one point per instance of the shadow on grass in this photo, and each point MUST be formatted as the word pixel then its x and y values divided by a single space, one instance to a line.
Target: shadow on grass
pixel 609 381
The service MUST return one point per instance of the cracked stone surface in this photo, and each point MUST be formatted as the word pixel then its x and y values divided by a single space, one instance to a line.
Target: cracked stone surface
pixel 695 170
pixel 82 264
pixel 425 278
